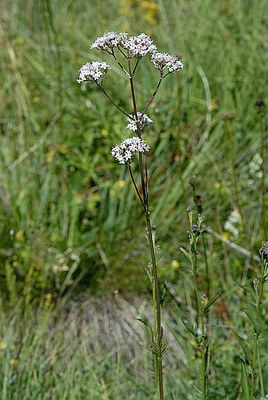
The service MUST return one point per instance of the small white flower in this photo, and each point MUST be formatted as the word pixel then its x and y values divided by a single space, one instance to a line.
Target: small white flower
pixel 233 222
pixel 124 152
pixel 141 122
pixel 164 60
pixel 109 41
pixel 93 71
pixel 140 45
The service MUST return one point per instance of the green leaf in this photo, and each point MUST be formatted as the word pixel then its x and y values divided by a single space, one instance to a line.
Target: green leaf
pixel 213 300
pixel 189 326
pixel 163 294
pixel 253 320
pixel 245 348
pixel 244 382
pixel 147 327
pixel 186 253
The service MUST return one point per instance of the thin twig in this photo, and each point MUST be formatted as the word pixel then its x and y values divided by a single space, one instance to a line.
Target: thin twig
pixel 135 185
pixel 119 63
pixel 153 96
pixel 111 100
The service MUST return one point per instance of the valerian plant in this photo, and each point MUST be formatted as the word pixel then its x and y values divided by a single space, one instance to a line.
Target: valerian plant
pixel 128 51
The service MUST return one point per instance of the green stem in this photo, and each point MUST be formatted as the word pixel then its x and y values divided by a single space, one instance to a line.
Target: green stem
pixel 111 100
pixel 252 381
pixel 201 316
pixel 158 332
pixel 256 361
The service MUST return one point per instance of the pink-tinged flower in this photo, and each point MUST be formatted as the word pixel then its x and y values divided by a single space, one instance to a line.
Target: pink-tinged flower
pixel 109 41
pixel 124 152
pixel 164 60
pixel 93 71
pixel 140 45
pixel 142 121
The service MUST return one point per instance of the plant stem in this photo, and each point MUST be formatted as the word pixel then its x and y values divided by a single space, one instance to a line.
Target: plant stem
pixel 135 185
pixel 111 100
pixel 153 95
pixel 256 361
pixel 201 317
pixel 158 330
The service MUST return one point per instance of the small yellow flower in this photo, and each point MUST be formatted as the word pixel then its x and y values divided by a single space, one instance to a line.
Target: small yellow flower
pixel 121 184
pixel 48 296
pixel 175 264
pixel 225 236
pixel 3 345
pixel 63 149
pixel 151 12
pixel 204 300
pixel 13 362
pixel 217 185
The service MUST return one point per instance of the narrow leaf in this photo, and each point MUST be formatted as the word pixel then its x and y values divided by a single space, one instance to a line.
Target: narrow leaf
pixel 186 253
pixel 244 382
pixel 189 326
pixel 213 300
pixel 245 347
pixel 148 329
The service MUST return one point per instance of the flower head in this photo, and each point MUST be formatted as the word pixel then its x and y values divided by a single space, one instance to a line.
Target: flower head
pixel 109 41
pixel 93 71
pixel 124 152
pixel 142 121
pixel 164 60
pixel 140 45
pixel 264 250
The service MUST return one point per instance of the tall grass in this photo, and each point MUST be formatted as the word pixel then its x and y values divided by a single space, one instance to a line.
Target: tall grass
pixel 58 183
pixel 66 210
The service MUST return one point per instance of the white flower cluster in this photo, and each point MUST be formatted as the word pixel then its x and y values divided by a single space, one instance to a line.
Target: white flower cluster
pixel 142 121
pixel 164 60
pixel 109 41
pixel 140 45
pixel 124 152
pixel 93 71
pixel 233 222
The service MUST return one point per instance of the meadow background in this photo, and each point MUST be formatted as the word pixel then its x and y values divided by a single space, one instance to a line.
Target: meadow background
pixel 73 246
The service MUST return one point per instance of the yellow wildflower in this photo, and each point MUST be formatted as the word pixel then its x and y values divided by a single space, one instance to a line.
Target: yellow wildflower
pixel 175 264
pixel 225 236
pixel 121 184
pixel 3 345
pixel 217 185
pixel 151 12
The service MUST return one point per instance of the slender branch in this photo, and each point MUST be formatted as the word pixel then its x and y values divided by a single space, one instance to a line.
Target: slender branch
pixel 153 95
pixel 111 100
pixel 138 131
pixel 133 92
pixel 134 70
pixel 121 51
pixel 119 63
pixel 135 186
pixel 146 179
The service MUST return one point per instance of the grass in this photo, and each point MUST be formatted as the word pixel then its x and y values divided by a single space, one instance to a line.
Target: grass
pixel 67 210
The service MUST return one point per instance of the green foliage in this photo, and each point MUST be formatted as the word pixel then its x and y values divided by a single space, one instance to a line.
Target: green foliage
pixel 61 190
pixel 69 215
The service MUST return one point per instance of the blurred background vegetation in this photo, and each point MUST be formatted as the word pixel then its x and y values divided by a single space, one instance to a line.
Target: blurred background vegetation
pixel 69 219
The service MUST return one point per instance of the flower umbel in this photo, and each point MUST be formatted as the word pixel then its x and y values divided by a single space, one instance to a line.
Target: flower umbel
pixel 164 60
pixel 140 45
pixel 93 71
pixel 109 41
pixel 142 121
pixel 124 152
